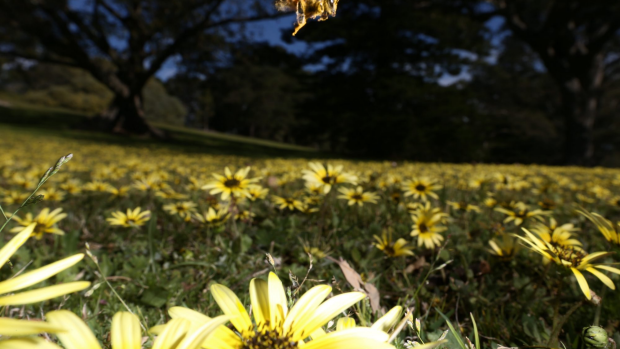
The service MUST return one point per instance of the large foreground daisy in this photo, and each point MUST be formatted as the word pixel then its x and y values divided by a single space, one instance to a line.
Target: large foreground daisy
pixel 9 287
pixel 276 326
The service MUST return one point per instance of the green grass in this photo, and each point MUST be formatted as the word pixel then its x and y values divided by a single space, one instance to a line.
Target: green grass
pixel 65 123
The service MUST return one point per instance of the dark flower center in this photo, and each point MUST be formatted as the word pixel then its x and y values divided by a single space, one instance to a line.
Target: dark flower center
pixel 423 228
pixel 327 179
pixel 420 187
pixel 232 183
pixel 268 340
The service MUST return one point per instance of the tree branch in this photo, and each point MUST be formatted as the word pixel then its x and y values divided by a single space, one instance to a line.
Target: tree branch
pixel 41 59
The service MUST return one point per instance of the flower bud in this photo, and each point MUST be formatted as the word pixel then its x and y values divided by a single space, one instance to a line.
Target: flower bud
pixel 594 337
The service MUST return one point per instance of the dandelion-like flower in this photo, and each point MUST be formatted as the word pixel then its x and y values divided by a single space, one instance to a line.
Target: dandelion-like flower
pixel 133 218
pixel 9 295
pixel 45 222
pixel 276 326
pixel 357 196
pixel 235 185
pixel 576 260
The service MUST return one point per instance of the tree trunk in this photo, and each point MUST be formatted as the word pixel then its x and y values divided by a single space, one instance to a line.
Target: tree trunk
pixel 580 104
pixel 125 115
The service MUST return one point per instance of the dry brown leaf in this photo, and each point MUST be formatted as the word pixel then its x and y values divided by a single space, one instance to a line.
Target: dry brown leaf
pixel 355 280
pixel 375 297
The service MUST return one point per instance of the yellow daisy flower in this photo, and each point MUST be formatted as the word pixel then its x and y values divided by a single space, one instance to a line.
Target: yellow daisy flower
pixel 183 209
pixel 256 192
pixel 72 186
pixel 212 217
pixel 45 222
pixel 463 206
pixel 52 194
pixel 421 188
pixel 284 203
pixel 97 186
pixel 427 227
pixel 276 326
pixel 505 249
pixel 14 198
pixel 606 227
pixel 9 288
pixel 326 177
pixel 557 235
pixel 520 213
pixel 235 185
pixel 573 259
pixel 392 249
pixel 357 196
pixel 119 192
pixel 126 333
pixel 133 218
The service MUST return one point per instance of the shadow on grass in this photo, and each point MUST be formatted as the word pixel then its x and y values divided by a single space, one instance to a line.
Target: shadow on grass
pixel 61 123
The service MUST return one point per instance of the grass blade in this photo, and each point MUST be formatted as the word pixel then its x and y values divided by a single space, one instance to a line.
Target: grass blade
pixel 456 335
pixel 477 339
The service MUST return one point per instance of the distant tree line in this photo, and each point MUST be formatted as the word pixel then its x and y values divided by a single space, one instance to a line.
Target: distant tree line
pixel 536 80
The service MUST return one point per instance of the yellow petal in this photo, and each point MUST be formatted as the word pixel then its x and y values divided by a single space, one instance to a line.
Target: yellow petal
pixel 172 334
pixel 305 307
pixel 126 332
pixel 195 340
pixel 38 275
pixel 278 308
pixel 231 306
pixel 259 296
pixel 79 335
pixel 27 343
pixel 220 338
pixel 608 268
pixel 388 320
pixel 583 284
pixel 593 256
pixel 13 327
pixel 157 329
pixel 358 338
pixel 344 323
pixel 42 294
pixel 325 312
pixel 606 280
pixel 7 251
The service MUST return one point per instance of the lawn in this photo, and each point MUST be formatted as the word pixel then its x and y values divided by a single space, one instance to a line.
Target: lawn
pixel 513 248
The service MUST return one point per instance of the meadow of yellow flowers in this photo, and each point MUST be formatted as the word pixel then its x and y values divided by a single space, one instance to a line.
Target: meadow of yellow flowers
pixel 189 250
